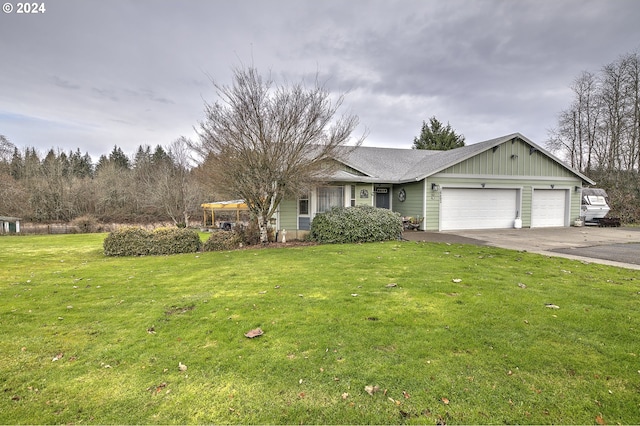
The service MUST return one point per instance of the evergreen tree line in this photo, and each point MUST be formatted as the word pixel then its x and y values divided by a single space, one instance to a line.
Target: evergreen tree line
pixel 599 133
pixel 153 185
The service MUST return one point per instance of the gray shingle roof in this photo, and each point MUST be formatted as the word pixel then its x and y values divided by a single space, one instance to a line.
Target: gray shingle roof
pixel 393 165
pixel 384 164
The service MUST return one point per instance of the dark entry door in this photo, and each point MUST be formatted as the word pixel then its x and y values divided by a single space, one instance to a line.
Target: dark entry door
pixel 383 200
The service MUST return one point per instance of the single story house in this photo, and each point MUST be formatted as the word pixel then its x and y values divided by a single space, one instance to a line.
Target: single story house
pixel 9 225
pixel 505 182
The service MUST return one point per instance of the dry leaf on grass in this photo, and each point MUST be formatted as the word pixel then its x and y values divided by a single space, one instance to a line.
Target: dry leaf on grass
pixel 600 420
pixel 254 333
pixel 394 401
pixel 157 388
pixel 445 401
pixel 372 389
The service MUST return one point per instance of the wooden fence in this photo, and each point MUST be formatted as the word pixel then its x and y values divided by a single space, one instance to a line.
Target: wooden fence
pixel 67 228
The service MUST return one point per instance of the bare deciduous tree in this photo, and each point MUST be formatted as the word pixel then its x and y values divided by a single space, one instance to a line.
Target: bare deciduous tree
pixel 6 148
pixel 177 191
pixel 601 128
pixel 576 134
pixel 265 142
pixel 600 132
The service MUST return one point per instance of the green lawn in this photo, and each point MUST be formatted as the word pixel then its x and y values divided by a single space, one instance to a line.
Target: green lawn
pixel 464 336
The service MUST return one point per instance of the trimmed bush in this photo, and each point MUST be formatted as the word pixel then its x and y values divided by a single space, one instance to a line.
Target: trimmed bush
pixel 133 241
pixel 128 241
pixel 222 240
pixel 358 224
pixel 174 241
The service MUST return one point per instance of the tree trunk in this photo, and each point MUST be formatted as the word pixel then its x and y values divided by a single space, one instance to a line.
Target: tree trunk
pixel 264 234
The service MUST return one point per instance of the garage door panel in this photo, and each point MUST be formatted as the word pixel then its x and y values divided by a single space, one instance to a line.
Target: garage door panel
pixel 464 208
pixel 548 208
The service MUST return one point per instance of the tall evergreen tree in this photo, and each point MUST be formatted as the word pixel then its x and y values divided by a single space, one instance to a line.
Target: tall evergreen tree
pixel 119 158
pixel 17 165
pixel 435 136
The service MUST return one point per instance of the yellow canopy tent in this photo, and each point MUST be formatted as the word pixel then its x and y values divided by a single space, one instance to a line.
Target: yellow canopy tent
pixel 228 206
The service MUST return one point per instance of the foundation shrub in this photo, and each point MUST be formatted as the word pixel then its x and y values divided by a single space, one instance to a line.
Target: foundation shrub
pixel 249 235
pixel 358 224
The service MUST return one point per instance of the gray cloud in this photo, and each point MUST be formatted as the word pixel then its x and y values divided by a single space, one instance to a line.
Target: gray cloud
pixel 92 74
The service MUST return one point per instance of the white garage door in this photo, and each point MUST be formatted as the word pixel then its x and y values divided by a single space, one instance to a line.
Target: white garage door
pixel 464 208
pixel 548 208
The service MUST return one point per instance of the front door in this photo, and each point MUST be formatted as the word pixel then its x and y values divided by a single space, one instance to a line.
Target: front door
pixel 383 198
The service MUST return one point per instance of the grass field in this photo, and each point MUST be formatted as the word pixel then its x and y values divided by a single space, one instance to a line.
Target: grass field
pixel 383 333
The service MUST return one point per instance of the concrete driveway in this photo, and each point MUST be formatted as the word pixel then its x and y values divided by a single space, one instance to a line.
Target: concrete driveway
pixel 610 246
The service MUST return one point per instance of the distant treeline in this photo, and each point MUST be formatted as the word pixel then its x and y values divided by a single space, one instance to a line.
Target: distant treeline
pixel 154 185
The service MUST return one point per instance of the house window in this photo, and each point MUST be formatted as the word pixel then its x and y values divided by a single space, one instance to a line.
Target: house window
pixel 353 195
pixel 303 204
pixel 304 220
pixel 329 197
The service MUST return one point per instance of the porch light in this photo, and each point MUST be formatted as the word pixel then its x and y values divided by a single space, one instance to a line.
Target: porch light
pixel 435 187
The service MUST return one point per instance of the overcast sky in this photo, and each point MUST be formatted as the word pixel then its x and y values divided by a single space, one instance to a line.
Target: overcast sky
pixel 92 74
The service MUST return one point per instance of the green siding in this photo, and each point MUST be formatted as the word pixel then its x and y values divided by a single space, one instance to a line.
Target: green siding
pixel 413 204
pixel 289 214
pixel 364 201
pixel 526 204
pixel 512 158
pixel 432 214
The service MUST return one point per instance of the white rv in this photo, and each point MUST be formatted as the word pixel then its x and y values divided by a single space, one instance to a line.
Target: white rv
pixel 594 205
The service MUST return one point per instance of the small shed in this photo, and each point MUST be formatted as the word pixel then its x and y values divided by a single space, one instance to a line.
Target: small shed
pixel 227 211
pixel 9 225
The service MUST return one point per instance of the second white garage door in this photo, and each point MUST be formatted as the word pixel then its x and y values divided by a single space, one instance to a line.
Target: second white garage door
pixel 548 208
pixel 464 208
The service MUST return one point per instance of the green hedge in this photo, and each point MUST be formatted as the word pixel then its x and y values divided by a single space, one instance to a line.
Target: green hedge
pixel 358 224
pixel 132 241
pixel 222 240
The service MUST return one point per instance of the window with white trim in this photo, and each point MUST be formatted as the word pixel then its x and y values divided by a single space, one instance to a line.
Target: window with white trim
pixel 329 197
pixel 303 204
